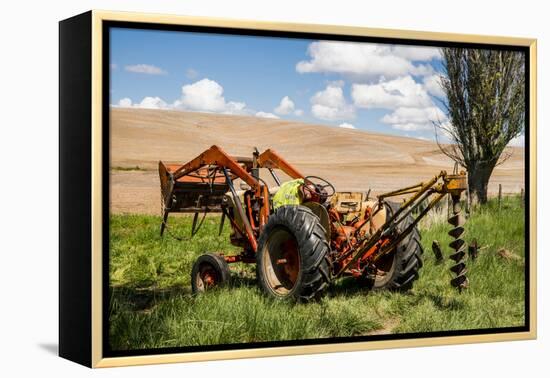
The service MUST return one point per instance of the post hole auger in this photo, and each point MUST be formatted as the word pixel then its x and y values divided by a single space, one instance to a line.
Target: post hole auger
pixel 302 234
pixel 392 232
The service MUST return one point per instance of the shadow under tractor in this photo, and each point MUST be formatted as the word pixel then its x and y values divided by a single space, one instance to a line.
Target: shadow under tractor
pixel 302 234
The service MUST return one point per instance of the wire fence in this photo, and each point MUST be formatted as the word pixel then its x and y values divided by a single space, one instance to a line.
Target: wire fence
pixel 443 209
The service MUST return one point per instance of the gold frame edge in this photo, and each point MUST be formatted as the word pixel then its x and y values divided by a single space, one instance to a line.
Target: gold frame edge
pixel 97 196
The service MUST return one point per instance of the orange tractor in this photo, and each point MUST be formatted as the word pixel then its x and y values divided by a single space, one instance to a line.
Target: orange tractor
pixel 302 234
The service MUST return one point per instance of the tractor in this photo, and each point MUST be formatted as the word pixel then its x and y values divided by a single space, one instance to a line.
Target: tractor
pixel 302 234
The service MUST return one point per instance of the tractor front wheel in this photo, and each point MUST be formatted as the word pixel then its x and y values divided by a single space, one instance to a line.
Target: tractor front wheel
pixel 209 270
pixel 292 258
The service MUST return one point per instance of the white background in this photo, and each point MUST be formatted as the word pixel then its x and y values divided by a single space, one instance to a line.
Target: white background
pixel 29 188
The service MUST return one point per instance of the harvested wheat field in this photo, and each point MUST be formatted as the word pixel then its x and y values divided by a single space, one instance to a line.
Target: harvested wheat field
pixel 352 160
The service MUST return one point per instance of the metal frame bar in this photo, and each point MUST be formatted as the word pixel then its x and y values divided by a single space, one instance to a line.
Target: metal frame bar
pixel 271 159
pixel 247 226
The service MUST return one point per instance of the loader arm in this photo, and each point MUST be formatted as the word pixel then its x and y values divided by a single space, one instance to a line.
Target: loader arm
pixel 216 156
pixel 272 160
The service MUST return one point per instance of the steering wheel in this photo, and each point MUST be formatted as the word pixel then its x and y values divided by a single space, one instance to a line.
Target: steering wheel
pixel 318 186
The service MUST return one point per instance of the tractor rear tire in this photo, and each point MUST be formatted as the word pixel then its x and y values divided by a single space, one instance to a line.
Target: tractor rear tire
pixel 401 267
pixel 292 258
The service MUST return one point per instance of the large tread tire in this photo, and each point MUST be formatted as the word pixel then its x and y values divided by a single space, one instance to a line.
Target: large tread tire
pixel 407 259
pixel 313 249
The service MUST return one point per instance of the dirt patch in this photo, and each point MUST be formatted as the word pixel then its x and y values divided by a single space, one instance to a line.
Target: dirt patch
pixel 508 255
pixel 387 328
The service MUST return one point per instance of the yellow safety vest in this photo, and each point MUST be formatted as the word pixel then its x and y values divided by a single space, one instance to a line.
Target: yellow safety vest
pixel 288 194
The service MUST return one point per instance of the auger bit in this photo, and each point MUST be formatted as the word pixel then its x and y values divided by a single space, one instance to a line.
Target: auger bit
pixel 458 245
pixel 455 185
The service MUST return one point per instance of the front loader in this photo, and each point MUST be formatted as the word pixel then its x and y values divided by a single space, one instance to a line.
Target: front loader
pixel 302 234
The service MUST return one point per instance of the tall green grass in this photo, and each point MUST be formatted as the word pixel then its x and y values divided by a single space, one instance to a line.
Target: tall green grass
pixel 152 305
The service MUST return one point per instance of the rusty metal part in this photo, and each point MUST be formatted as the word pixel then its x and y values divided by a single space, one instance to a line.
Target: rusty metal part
pixel 406 190
pixel 402 234
pixel 370 249
pixel 248 228
pixel 458 245
pixel 282 262
pixel 389 228
pixel 200 192
pixel 455 184
pixel 243 257
pixel 207 277
pixel 216 156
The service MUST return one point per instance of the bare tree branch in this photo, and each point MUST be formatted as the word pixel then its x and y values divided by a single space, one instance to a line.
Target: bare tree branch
pixel 485 105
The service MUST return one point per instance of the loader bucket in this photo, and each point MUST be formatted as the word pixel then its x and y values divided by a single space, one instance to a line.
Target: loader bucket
pixel 198 192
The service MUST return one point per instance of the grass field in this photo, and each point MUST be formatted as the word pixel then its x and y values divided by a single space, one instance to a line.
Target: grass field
pixel 152 305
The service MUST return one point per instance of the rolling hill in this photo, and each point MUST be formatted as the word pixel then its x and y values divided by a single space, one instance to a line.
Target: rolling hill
pixel 350 159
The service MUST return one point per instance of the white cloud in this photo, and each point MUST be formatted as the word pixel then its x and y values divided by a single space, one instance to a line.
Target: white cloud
pixel 518 141
pixel 412 107
pixel 417 53
pixel 400 92
pixel 346 125
pixel 152 103
pixel 146 103
pixel 367 60
pixel 233 107
pixel 204 95
pixel 113 66
pixel 266 115
pixel 415 115
pixel 125 102
pixel 414 119
pixel 286 106
pixel 432 84
pixel 207 95
pixel 330 104
pixel 395 77
pixel 411 126
pixel 145 69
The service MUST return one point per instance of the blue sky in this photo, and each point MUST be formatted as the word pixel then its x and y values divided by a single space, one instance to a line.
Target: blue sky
pixel 374 87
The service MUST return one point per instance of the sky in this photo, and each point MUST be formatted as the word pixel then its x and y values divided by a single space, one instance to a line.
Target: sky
pixel 384 88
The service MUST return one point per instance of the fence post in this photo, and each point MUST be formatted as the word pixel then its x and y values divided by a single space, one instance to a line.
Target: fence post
pixel 468 210
pixel 522 196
